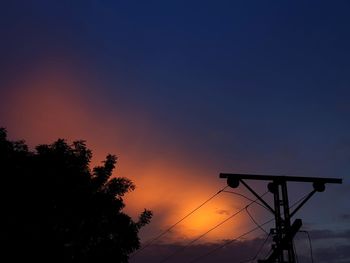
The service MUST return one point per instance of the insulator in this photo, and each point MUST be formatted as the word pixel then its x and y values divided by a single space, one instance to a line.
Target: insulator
pixel 232 182
pixel 319 187
pixel 272 187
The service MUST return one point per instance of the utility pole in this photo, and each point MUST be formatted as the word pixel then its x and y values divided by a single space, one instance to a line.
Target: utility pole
pixel 284 231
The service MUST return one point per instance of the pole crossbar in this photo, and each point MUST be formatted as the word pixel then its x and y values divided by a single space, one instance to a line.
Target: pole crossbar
pixel 284 231
pixel 283 178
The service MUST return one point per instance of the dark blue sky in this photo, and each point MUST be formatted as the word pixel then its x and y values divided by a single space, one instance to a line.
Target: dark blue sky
pixel 234 86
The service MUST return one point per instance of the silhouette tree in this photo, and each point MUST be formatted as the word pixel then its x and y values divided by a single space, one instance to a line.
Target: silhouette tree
pixel 56 209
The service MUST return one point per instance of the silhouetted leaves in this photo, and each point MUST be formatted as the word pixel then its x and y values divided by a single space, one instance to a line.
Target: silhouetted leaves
pixel 55 209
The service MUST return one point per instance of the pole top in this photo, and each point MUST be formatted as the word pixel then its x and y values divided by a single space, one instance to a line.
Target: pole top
pixel 282 178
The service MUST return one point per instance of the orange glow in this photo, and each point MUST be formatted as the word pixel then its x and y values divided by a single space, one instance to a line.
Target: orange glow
pixel 205 219
pixel 51 102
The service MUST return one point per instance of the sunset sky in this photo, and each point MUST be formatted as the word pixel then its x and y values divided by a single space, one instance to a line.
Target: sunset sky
pixel 183 90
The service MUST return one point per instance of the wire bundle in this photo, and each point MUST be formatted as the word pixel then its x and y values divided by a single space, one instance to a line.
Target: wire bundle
pixel 245 208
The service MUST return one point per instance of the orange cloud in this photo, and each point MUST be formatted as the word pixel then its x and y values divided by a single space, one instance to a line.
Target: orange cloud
pixel 54 101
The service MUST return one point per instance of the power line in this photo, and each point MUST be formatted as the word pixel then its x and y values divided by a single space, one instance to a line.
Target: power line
pixel 228 242
pixel 261 247
pixel 254 221
pixel 150 242
pixel 201 236
pixel 299 200
pixel 294 204
pixel 250 215
pixel 246 208
pixel 269 234
pixel 246 197
pixel 310 244
pixel 296 254
pixel 207 232
pixel 241 195
pixel 250 231
pixel 259 250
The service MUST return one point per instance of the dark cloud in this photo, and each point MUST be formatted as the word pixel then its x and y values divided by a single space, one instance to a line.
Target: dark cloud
pixel 329 234
pixel 234 252
pixel 231 87
pixel 324 251
pixel 223 212
pixel 334 254
pixel 345 217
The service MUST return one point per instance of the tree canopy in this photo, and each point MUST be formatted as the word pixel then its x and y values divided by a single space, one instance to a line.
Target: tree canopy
pixel 55 208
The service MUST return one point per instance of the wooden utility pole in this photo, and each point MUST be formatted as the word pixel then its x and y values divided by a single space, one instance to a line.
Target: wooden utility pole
pixel 284 231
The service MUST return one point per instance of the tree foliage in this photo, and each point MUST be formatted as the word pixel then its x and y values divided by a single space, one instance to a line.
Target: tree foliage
pixel 56 209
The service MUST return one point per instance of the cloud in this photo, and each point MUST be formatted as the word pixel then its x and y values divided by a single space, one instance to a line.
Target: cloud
pixel 233 252
pixel 334 254
pixel 345 217
pixel 53 99
pixel 329 234
pixel 324 250
pixel 223 212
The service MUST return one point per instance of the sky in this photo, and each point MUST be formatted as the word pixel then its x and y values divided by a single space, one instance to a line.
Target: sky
pixel 183 90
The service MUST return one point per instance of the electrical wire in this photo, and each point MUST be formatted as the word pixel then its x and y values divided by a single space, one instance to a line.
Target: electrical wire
pixel 299 200
pixel 208 231
pixel 241 195
pixel 252 230
pixel 246 197
pixel 200 237
pixel 246 208
pixel 228 242
pixel 269 252
pixel 294 204
pixel 254 221
pixel 310 244
pixel 150 242
pixel 259 250
pixel 295 253
pixel 303 231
